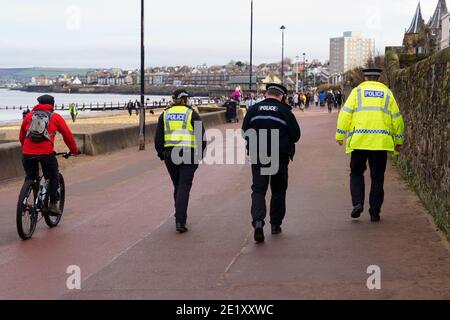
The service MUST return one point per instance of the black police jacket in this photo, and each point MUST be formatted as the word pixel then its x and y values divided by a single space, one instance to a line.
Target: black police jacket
pixel 271 114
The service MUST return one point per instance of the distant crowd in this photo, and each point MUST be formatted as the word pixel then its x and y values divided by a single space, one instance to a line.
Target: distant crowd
pixel 299 100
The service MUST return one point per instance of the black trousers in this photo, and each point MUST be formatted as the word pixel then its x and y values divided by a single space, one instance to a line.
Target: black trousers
pixel 377 163
pixel 49 165
pixel 182 177
pixel 279 185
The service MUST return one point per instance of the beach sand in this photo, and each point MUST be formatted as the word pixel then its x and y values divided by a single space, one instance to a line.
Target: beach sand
pixel 85 124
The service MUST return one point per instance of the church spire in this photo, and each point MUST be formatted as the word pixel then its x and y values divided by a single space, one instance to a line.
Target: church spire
pixel 436 20
pixel 417 23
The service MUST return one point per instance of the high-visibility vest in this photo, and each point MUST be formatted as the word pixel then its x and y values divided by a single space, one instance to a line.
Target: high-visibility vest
pixel 371 119
pixel 73 109
pixel 178 129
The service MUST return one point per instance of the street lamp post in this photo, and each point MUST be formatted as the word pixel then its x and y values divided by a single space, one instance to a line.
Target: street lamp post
pixel 142 108
pixel 296 73
pixel 304 68
pixel 282 53
pixel 251 50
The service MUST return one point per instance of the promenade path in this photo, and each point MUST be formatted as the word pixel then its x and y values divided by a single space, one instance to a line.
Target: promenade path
pixel 119 229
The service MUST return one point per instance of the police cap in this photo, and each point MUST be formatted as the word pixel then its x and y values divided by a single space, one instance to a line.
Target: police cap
pixel 278 87
pixel 376 72
pixel 181 93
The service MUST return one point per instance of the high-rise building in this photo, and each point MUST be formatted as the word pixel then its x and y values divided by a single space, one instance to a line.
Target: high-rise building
pixel 349 52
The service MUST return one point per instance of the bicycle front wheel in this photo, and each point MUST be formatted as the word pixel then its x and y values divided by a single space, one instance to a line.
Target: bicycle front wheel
pixel 51 221
pixel 26 215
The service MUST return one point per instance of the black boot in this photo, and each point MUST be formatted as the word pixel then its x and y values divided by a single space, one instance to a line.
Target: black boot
pixel 357 210
pixel 375 218
pixel 276 230
pixel 181 227
pixel 259 232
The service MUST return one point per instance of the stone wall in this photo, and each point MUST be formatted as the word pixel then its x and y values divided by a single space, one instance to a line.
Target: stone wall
pixel 423 94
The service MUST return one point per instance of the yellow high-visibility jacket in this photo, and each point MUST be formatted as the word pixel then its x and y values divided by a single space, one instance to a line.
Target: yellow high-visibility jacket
pixel 371 119
pixel 178 129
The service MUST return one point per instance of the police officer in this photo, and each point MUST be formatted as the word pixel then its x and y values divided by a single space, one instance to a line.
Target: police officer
pixel 179 143
pixel 270 116
pixel 373 125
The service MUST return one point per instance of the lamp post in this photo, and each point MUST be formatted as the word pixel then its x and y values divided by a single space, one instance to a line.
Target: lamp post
pixel 304 68
pixel 142 108
pixel 251 51
pixel 282 28
pixel 296 73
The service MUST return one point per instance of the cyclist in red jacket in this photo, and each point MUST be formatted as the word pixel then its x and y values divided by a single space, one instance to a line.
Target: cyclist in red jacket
pixel 37 136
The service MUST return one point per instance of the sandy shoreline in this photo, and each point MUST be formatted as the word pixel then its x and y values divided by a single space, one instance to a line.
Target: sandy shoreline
pixel 85 123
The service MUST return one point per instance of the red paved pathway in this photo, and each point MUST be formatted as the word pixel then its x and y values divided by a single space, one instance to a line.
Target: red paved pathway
pixel 118 227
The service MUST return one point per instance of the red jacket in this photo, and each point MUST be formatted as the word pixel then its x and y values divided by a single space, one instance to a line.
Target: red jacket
pixel 56 124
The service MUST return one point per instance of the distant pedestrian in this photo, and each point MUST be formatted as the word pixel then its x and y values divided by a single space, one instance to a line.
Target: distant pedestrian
pixel 73 111
pixel 137 106
pixel 130 107
pixel 308 100
pixel 236 95
pixel 322 98
pixel 25 112
pixel 338 100
pixel 316 99
pixel 296 100
pixel 330 101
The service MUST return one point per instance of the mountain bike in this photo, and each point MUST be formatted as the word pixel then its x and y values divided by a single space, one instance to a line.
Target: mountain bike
pixel 33 204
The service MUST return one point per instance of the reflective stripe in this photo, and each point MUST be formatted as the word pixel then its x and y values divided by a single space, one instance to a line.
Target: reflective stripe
pixel 384 109
pixel 181 143
pixel 359 97
pixel 188 116
pixel 341 131
pixel 401 136
pixel 397 115
pixel 178 132
pixel 347 109
pixel 386 105
pixel 166 121
pixel 269 118
pixel 368 131
pixel 381 109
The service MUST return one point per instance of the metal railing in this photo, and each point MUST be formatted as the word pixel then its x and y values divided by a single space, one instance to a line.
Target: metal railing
pixel 111 106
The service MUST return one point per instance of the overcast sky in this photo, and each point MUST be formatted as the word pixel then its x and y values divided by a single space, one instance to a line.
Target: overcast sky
pixel 105 33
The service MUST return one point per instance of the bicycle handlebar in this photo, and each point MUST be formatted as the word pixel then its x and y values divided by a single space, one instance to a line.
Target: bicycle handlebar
pixel 66 155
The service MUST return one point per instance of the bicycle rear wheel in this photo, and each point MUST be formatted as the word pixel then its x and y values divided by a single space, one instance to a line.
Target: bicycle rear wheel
pixel 51 221
pixel 26 215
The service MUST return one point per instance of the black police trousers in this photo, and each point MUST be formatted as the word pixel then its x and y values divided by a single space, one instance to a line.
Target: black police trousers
pixel 279 185
pixel 182 176
pixel 377 163
pixel 50 170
